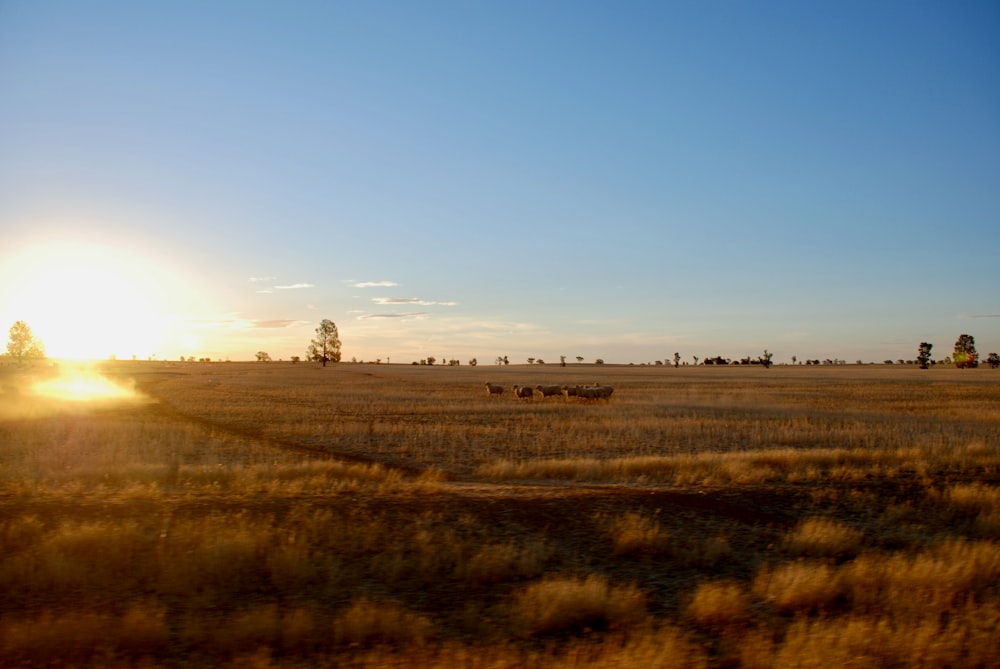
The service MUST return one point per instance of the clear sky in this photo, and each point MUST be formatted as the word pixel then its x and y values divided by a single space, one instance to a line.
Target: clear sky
pixel 619 180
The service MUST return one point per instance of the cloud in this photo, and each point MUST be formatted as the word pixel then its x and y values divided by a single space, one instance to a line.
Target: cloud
pixel 412 314
pixel 411 300
pixel 261 279
pixel 374 284
pixel 295 286
pixel 279 323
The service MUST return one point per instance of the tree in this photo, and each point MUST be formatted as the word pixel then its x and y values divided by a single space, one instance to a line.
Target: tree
pixel 677 359
pixel 766 359
pixel 965 352
pixel 263 356
pixel 993 360
pixel 562 361
pixel 579 359
pixel 326 345
pixel 23 345
pixel 924 355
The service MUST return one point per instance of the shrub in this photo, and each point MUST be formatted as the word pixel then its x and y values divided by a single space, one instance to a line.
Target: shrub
pixel 636 534
pixel 719 603
pixel 368 623
pixel 567 604
pixel 821 537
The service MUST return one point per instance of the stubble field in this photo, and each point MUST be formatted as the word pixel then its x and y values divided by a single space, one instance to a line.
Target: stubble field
pixel 287 515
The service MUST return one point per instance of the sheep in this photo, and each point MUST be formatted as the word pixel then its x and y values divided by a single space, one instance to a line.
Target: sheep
pixel 523 392
pixel 570 391
pixel 595 392
pixel 548 391
pixel 494 389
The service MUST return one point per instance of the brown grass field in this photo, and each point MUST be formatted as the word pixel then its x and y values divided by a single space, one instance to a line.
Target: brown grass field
pixel 287 515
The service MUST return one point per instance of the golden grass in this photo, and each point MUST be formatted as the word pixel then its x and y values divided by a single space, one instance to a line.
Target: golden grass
pixel 367 516
pixel 822 537
pixel 569 604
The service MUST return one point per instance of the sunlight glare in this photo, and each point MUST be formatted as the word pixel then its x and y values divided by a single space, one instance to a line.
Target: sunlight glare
pixel 88 301
pixel 83 386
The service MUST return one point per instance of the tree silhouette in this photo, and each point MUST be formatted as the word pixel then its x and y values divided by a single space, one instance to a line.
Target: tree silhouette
pixel 22 344
pixel 326 345
pixel 924 355
pixel 263 356
pixel 965 352
pixel 579 359
pixel 993 360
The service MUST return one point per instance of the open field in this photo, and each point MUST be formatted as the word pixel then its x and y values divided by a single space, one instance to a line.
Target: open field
pixel 277 514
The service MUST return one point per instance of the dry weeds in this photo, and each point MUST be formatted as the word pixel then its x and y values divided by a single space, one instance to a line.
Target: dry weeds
pixel 285 515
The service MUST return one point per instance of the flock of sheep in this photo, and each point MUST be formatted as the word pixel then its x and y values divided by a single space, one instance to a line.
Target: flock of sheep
pixel 594 392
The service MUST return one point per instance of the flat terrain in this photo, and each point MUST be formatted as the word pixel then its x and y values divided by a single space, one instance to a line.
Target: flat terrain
pixel 279 514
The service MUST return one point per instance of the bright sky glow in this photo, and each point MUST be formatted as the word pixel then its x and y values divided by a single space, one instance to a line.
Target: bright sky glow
pixel 614 180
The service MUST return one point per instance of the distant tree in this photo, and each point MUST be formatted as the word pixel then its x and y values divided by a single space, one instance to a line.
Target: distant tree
pixel 965 352
pixel 677 359
pixel 263 356
pixel 23 345
pixel 540 361
pixel 924 355
pixel 993 360
pixel 431 360
pixel 454 362
pixel 794 359
pixel 659 363
pixel 531 361
pixel 599 361
pixel 506 361
pixel 695 360
pixel 473 362
pixel 579 359
pixel 765 359
pixel 295 358
pixel 562 361
pixel 326 346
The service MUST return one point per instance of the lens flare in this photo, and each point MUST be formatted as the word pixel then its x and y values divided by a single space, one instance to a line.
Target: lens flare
pixel 83 385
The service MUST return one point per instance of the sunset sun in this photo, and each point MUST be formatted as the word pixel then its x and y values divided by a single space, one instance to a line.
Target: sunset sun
pixel 88 302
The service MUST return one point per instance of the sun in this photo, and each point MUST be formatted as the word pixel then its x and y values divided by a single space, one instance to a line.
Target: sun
pixel 87 301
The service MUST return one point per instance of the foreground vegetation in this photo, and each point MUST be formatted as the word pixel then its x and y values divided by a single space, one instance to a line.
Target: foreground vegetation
pixel 369 515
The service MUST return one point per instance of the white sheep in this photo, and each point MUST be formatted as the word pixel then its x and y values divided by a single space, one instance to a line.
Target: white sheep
pixel 548 391
pixel 494 389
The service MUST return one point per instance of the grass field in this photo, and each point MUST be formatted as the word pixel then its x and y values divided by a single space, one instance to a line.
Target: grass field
pixel 287 515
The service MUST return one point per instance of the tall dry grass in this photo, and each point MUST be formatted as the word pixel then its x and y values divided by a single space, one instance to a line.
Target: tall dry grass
pixel 848 515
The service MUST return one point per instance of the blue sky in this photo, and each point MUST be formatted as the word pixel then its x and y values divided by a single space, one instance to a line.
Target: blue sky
pixel 536 179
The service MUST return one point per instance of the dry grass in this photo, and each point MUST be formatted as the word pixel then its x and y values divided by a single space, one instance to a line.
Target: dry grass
pixel 822 537
pixel 285 515
pixel 569 604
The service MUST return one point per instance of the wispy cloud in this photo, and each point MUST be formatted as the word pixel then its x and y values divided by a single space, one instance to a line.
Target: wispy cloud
pixel 295 286
pixel 412 314
pixel 262 279
pixel 373 284
pixel 411 300
pixel 278 323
